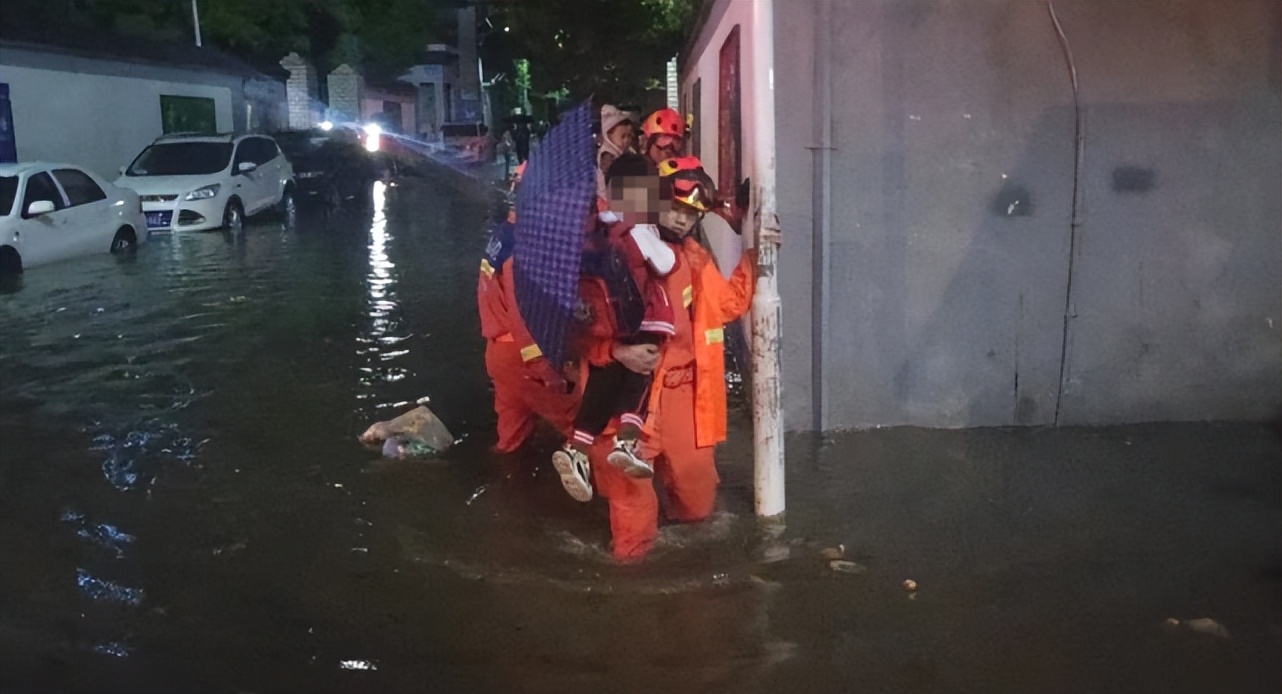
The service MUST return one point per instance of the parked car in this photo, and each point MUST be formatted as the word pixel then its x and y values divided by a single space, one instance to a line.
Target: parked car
pixel 198 182
pixel 331 165
pixel 52 212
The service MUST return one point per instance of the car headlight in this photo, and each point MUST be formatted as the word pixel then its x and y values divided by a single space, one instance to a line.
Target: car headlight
pixel 203 193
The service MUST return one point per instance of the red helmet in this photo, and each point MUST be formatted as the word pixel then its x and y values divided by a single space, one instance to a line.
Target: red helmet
pixel 667 167
pixel 664 122
pixel 691 185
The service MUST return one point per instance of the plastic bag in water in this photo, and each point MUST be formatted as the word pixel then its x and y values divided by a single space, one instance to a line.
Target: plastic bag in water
pixel 415 434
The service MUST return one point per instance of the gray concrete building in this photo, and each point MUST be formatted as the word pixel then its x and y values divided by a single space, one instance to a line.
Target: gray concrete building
pixel 998 215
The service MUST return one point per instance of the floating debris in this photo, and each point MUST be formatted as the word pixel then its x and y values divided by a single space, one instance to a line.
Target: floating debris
pixel 910 585
pixel 229 549
pixel 476 494
pixel 1206 625
pixel 847 567
pixel 776 553
pixel 414 434
pixel 834 553
pixel 357 665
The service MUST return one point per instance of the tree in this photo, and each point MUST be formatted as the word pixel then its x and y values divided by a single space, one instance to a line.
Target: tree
pixel 614 49
pixel 382 37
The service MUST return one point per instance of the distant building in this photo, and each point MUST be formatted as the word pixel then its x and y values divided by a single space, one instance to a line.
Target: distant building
pixel 97 100
pixel 393 105
pixel 436 81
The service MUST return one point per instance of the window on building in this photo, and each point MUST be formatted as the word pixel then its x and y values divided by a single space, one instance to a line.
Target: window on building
pixel 729 117
pixel 187 114
pixel 81 190
pixel 41 187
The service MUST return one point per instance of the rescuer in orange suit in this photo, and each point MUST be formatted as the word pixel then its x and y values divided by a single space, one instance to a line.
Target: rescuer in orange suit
pixel 687 415
pixel 526 385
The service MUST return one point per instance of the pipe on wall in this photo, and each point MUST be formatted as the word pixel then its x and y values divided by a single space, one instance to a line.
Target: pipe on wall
pixel 821 187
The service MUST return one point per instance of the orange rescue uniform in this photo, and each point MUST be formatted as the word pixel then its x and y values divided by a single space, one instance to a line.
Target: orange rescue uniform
pixel 687 416
pixel 519 397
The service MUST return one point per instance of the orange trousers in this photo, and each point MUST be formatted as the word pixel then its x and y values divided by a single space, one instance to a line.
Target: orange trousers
pixel 520 401
pixel 688 473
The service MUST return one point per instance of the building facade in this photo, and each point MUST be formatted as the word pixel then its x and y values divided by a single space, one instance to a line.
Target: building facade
pixel 100 110
pixel 1012 213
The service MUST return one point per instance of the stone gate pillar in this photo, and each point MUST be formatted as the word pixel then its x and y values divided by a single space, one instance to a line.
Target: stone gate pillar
pixel 301 92
pixel 346 92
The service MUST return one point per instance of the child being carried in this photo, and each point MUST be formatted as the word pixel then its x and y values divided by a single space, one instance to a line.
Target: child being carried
pixel 636 291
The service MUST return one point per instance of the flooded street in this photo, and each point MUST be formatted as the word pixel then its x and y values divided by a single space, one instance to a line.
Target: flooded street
pixel 184 507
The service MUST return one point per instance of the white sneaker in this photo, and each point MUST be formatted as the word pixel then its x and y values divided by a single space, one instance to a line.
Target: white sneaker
pixel 575 471
pixel 624 456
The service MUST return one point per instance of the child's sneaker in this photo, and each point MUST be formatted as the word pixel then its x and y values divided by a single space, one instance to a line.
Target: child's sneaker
pixel 575 471
pixel 624 456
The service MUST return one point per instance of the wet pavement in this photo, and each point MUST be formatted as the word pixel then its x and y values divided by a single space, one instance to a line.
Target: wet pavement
pixel 184 507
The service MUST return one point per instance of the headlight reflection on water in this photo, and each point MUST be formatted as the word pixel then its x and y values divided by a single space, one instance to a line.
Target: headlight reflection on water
pixel 382 307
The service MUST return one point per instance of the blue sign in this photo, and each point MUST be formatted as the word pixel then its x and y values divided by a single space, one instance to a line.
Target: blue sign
pixel 8 144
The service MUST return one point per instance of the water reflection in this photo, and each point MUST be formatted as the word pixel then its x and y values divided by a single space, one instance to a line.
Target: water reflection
pixel 379 364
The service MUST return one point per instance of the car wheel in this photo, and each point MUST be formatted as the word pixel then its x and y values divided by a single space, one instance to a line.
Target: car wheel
pixel 234 217
pixel 10 261
pixel 288 207
pixel 125 240
pixel 333 199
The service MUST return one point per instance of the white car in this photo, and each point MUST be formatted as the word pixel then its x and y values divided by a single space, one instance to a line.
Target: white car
pixel 201 182
pixel 52 212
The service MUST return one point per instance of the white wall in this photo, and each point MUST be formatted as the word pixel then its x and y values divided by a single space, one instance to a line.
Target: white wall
pixel 705 65
pixel 96 121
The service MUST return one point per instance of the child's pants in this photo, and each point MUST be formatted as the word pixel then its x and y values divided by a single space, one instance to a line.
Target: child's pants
pixel 611 391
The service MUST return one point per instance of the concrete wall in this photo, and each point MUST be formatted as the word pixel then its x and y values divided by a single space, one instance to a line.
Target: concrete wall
pixel 98 121
pixel 944 268
pixel 1176 294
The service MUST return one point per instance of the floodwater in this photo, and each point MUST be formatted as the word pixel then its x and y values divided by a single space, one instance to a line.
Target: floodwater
pixel 184 508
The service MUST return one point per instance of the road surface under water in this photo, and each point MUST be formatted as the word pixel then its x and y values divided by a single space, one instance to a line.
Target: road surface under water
pixel 184 508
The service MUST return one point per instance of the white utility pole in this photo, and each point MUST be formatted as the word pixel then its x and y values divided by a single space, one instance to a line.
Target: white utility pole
pixel 195 19
pixel 767 401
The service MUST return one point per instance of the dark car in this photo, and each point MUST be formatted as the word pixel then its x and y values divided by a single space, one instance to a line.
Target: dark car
pixel 331 166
